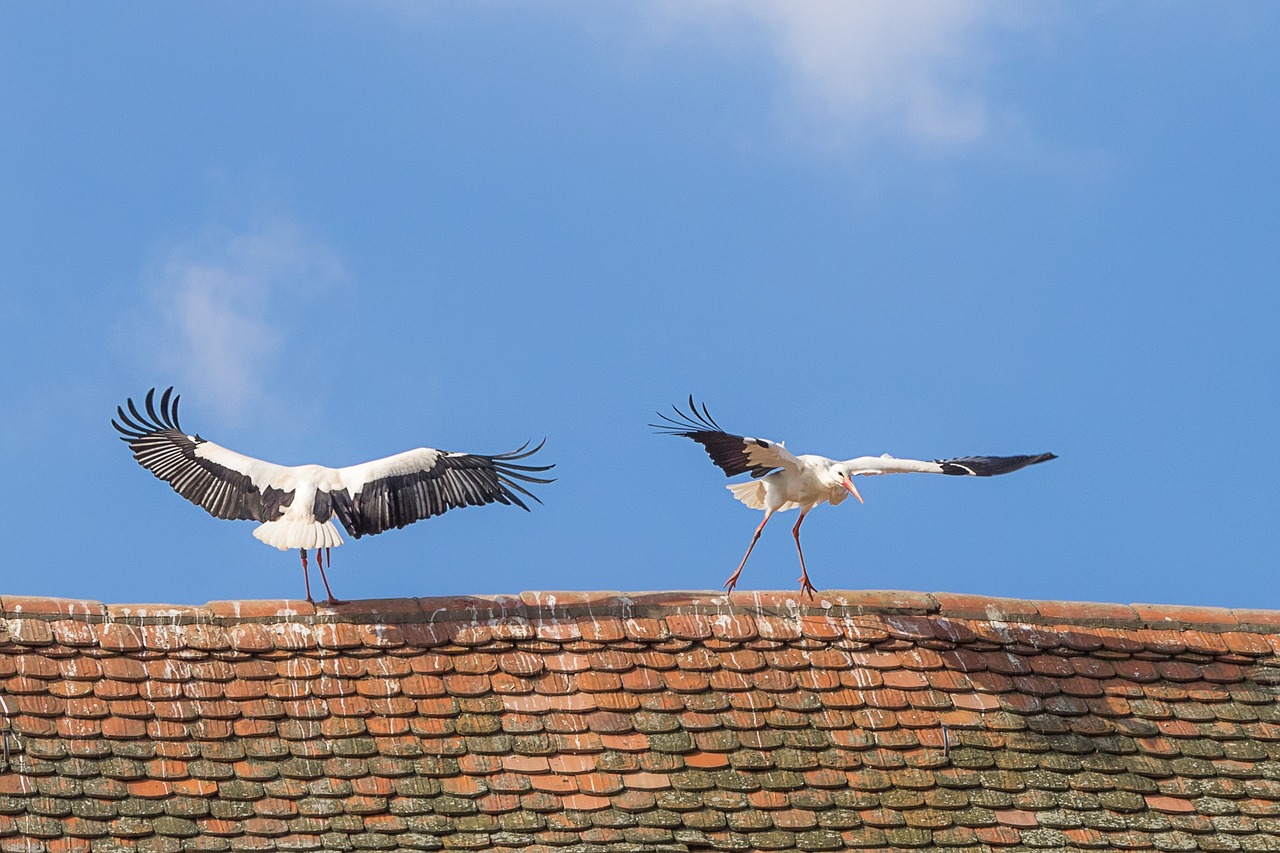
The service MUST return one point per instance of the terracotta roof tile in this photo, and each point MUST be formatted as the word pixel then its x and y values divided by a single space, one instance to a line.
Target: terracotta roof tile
pixel 753 721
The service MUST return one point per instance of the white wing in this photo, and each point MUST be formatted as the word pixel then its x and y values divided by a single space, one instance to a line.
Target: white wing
pixel 972 466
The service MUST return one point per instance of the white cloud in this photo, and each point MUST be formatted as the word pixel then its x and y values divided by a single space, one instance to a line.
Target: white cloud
pixel 903 69
pixel 227 305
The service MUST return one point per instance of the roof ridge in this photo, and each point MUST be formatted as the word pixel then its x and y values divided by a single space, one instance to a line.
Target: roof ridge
pixel 551 605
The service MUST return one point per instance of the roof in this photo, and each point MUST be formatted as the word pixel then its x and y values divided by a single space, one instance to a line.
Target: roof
pixel 646 721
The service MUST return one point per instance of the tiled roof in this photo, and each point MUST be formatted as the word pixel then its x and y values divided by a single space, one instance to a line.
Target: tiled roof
pixel 664 721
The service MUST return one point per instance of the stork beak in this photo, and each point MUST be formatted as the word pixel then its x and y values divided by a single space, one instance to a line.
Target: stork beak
pixel 848 484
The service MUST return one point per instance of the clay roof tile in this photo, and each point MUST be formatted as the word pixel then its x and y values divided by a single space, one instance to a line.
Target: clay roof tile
pixel 758 720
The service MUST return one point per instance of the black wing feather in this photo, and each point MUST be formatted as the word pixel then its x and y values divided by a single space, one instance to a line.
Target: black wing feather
pixel 727 451
pixel 990 466
pixel 160 446
pixel 456 480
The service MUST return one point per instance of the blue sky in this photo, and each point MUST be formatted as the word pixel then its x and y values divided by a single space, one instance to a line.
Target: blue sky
pixel 345 230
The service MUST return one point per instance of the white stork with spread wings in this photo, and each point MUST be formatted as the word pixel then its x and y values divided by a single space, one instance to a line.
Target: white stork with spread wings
pixel 782 481
pixel 296 505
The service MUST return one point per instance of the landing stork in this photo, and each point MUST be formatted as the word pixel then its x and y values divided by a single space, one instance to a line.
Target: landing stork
pixel 296 505
pixel 782 481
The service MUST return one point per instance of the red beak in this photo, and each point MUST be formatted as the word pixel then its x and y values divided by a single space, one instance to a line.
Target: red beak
pixel 848 484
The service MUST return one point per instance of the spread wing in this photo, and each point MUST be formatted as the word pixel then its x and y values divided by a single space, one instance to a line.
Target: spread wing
pixel 734 454
pixel 417 484
pixel 225 483
pixel 971 466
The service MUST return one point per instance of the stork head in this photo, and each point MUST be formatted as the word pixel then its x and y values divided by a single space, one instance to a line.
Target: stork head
pixel 841 474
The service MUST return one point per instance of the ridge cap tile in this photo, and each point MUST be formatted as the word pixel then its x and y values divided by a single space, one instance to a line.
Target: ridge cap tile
pixel 1261 618
pixel 261 609
pixel 551 599
pixel 17 606
pixel 1179 615
pixel 1087 612
pixel 991 607
pixel 162 614
pixel 876 600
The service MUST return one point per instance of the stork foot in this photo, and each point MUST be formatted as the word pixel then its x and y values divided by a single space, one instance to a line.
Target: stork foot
pixel 806 588
pixel 334 602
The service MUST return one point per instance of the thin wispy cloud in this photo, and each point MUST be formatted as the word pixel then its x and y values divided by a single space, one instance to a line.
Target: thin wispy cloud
pixel 909 70
pixel 225 306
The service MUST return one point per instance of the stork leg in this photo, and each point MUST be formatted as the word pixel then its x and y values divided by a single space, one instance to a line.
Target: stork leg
pixel 805 586
pixel 733 578
pixel 306 576
pixel 320 562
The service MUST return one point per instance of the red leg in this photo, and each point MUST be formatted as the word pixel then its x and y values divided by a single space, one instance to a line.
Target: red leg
pixel 306 576
pixel 733 578
pixel 805 586
pixel 332 601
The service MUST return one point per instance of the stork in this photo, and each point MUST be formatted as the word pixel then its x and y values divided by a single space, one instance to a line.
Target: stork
pixel 781 480
pixel 296 505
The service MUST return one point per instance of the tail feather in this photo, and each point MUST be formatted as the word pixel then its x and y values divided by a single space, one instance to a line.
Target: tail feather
pixel 750 493
pixel 286 534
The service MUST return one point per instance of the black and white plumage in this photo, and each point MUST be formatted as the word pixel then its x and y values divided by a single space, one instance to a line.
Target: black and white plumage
pixel 782 481
pixel 296 505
